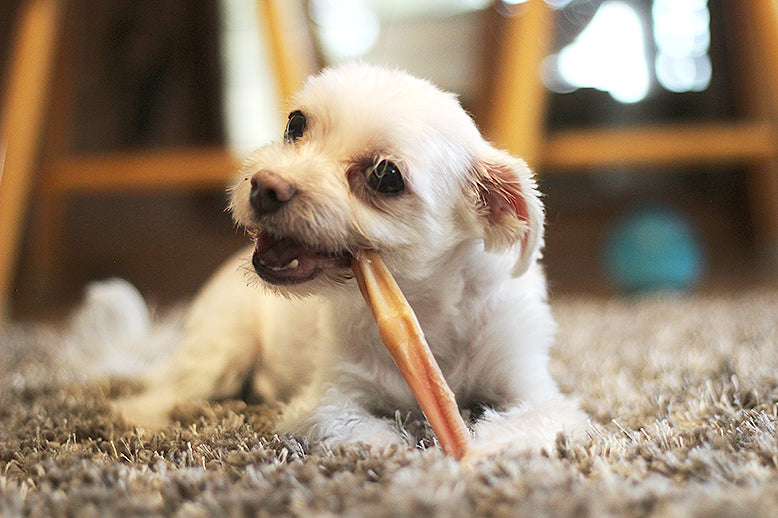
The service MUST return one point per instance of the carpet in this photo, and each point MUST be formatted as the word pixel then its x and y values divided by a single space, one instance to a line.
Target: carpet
pixel 682 392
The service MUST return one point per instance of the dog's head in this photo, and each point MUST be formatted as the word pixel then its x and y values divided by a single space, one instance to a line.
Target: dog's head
pixel 372 158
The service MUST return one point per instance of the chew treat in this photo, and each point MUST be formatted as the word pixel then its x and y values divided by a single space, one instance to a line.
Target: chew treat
pixel 402 335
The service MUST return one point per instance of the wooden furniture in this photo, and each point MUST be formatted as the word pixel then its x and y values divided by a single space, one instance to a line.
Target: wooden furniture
pixel 516 110
pixel 34 152
pixel 27 89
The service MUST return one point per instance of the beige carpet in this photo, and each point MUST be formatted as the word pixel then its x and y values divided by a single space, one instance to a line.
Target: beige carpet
pixel 683 394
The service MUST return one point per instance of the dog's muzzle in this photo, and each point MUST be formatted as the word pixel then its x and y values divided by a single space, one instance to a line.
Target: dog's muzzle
pixel 284 260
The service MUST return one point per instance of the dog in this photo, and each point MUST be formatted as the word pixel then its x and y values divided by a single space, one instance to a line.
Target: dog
pixel 375 158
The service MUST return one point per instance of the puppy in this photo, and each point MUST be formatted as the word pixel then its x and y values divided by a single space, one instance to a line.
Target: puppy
pixel 372 158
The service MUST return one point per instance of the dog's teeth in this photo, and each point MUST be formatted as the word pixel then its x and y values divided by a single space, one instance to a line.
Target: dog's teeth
pixel 294 263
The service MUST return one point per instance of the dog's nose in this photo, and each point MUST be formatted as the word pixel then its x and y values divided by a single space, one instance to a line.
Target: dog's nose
pixel 269 192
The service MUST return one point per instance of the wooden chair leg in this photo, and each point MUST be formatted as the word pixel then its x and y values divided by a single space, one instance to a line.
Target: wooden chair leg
pixel 289 42
pixel 517 106
pixel 26 95
pixel 765 181
pixel 756 22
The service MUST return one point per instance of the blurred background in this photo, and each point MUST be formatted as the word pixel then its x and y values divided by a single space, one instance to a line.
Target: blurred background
pixel 649 122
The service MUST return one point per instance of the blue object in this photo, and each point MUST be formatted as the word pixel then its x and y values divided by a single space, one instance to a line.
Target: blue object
pixel 653 248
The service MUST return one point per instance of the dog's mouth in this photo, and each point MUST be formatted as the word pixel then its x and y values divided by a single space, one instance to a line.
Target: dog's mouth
pixel 285 261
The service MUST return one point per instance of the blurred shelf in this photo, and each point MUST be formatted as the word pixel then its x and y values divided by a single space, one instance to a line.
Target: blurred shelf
pixel 185 168
pixel 671 144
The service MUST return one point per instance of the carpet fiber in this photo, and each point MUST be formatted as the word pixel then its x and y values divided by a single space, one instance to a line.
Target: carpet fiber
pixel 682 392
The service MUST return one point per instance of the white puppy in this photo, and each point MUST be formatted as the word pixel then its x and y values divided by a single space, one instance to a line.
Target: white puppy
pixel 376 159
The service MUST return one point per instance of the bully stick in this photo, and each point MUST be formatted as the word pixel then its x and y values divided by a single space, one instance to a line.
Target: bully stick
pixel 402 335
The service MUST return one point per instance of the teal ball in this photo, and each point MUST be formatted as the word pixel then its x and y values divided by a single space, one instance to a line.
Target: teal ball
pixel 651 249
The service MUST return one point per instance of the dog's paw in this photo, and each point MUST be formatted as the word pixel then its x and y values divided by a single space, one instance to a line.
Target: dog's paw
pixel 524 428
pixel 147 410
pixel 330 426
pixel 378 437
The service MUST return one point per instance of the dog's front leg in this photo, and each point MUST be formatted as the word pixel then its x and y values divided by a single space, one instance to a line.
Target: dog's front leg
pixel 337 417
pixel 217 356
pixel 527 409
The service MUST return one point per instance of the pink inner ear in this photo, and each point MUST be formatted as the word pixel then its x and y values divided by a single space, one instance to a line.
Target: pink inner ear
pixel 500 192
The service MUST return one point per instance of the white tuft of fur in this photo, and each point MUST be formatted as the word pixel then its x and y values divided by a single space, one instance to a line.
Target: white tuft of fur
pixel 112 332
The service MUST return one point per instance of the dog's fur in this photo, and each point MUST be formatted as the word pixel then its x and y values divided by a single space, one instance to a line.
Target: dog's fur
pixel 462 238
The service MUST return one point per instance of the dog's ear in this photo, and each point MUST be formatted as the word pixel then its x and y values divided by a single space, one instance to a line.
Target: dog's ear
pixel 507 206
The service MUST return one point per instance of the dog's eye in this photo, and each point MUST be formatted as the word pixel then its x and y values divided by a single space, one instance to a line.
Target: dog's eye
pixel 385 177
pixel 295 127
